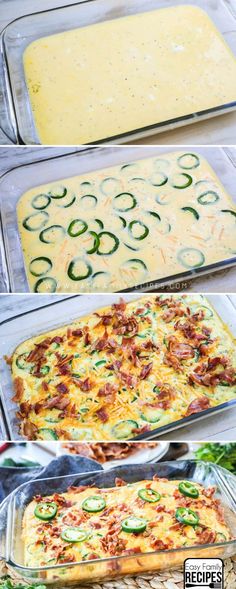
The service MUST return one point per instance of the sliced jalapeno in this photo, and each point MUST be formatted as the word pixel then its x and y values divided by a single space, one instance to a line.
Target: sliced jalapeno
pixel 58 192
pixel 90 201
pixel 188 161
pixel 186 516
pixel 77 227
pixel 182 181
pixel 104 249
pixel 47 284
pixel 189 257
pixel 229 211
pixel 149 495
pixel 188 489
pixel 125 201
pixel 138 230
pixel 84 270
pixel 52 234
pixel 159 179
pixel 133 525
pixel 36 221
pixel 124 429
pixel 45 510
pixel 40 266
pixel 74 535
pixel 94 504
pixel 208 198
pixel 191 210
pixel 41 201
pixel 154 215
pixel 96 243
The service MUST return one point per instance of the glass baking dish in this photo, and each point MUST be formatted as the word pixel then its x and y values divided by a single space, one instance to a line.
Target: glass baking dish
pixel 21 32
pixel 69 575
pixel 14 183
pixel 21 327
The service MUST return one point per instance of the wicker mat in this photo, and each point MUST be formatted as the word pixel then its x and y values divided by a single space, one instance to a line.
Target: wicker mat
pixel 164 580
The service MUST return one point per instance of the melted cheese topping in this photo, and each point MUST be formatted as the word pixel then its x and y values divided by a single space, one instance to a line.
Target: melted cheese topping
pixel 97 383
pixel 43 544
pixel 160 65
pixel 126 225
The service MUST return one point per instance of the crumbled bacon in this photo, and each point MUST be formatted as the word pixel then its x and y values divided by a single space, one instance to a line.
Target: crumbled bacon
pixel 206 374
pixel 77 332
pixel 62 388
pixel 146 370
pixel 180 350
pixel 115 365
pixel 158 544
pixel 102 414
pixel 134 550
pixel 109 392
pixel 84 385
pixel 30 430
pixel 171 360
pixel 205 536
pixel 18 384
pixel 128 379
pixel 105 319
pixel 25 408
pixel 141 430
pixel 121 306
pixel 200 404
pixel 127 326
pixel 119 482
pixel 57 339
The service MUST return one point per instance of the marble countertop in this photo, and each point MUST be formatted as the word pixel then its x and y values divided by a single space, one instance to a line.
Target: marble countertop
pixel 223 281
pixel 216 131
pixel 220 427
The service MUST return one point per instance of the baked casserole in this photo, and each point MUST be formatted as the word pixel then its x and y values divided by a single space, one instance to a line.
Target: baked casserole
pixel 124 370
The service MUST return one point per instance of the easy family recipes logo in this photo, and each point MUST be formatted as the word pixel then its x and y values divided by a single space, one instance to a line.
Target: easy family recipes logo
pixel 207 573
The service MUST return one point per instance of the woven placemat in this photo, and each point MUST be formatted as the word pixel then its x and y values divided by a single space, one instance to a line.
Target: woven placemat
pixel 172 579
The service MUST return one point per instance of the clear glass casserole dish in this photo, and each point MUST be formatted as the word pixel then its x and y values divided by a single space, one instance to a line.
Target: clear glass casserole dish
pixel 21 32
pixel 24 326
pixel 14 183
pixel 69 575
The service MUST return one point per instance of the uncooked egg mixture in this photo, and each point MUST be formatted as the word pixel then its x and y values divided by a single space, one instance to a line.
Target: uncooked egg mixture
pixel 115 228
pixel 161 65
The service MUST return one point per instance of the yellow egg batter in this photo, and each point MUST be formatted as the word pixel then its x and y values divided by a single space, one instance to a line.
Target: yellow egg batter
pixel 110 78
pixel 115 228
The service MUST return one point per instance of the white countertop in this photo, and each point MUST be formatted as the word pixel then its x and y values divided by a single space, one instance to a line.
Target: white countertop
pixel 220 427
pixel 216 131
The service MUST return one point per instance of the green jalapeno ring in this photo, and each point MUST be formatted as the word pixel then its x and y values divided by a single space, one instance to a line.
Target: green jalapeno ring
pixel 149 495
pixel 74 534
pixel 93 504
pixel 188 489
pixel 187 516
pixel 133 525
pixel 45 510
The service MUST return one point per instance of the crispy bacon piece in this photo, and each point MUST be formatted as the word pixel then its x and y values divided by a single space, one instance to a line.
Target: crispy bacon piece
pixel 146 370
pixel 38 351
pixel 105 319
pixel 62 388
pixel 171 360
pixel 57 339
pixel 206 374
pixel 18 384
pixel 25 408
pixel 119 482
pixel 129 379
pixel 134 550
pixel 45 386
pixel 141 430
pixel 29 430
pixel 198 405
pixel 116 365
pixel 121 306
pixel 128 327
pixel 109 392
pixel 180 350
pixel 205 536
pixel 77 332
pixel 62 360
pixel 84 385
pixel 102 414
pixel 92 556
pixel 158 544
pixel 58 402
pixel 8 360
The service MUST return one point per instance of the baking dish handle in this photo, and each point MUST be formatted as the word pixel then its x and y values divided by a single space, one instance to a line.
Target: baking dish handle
pixel 7 113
